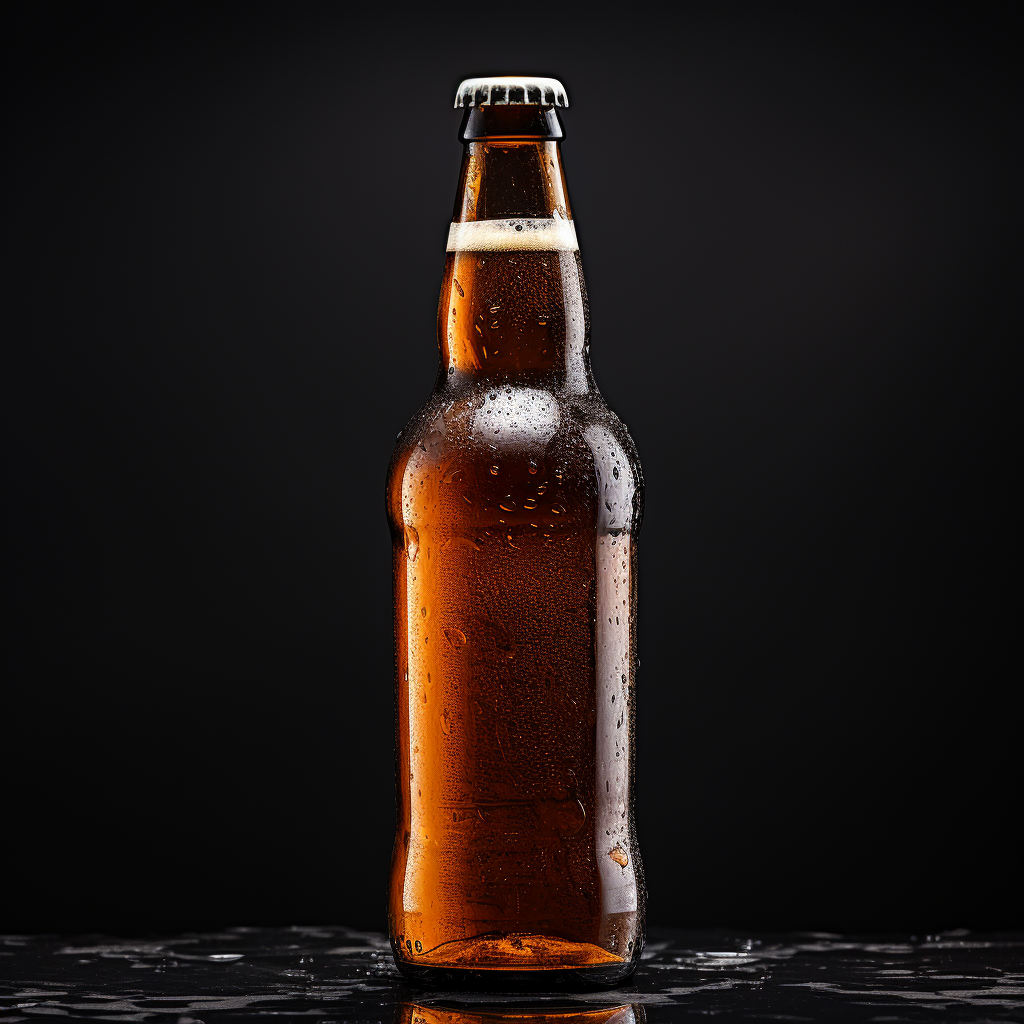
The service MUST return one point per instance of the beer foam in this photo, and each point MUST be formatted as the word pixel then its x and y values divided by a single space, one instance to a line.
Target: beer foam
pixel 518 233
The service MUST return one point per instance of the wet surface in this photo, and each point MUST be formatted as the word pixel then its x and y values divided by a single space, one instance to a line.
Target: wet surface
pixel 336 974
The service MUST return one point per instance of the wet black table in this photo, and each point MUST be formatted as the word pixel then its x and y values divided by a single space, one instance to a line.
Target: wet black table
pixel 337 974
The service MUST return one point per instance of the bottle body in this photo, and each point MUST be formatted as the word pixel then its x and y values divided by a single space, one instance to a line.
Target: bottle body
pixel 514 500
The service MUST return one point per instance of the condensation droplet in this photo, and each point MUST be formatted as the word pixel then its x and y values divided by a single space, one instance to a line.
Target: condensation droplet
pixel 412 542
pixel 455 637
pixel 618 854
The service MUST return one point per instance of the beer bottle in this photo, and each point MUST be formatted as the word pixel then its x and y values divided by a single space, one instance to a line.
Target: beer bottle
pixel 514 498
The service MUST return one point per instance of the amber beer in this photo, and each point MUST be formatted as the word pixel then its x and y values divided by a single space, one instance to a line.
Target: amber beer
pixel 515 500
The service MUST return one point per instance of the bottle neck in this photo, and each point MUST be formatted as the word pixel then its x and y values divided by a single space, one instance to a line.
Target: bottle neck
pixel 513 303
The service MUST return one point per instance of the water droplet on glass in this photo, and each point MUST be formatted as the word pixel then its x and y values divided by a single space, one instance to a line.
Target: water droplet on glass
pixel 494 470
pixel 530 503
pixel 533 466
pixel 508 504
pixel 455 637
pixel 557 510
pixel 565 817
pixel 412 542
pixel 458 288
pixel 618 854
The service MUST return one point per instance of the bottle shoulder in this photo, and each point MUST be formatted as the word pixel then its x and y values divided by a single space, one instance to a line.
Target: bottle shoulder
pixel 490 436
pixel 505 414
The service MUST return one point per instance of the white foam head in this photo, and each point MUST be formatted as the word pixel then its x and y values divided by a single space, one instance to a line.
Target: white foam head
pixel 515 234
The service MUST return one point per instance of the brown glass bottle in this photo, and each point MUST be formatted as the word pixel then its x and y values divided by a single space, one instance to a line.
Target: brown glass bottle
pixel 514 499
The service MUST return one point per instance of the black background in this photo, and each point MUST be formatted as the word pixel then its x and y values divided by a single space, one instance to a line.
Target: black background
pixel 800 239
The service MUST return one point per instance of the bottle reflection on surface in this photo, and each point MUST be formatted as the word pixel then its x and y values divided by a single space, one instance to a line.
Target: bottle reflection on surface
pixel 414 1013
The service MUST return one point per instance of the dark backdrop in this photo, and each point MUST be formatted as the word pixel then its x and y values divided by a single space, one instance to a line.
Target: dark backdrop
pixel 800 240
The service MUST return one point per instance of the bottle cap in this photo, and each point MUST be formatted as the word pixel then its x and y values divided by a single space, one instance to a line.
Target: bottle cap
pixel 505 89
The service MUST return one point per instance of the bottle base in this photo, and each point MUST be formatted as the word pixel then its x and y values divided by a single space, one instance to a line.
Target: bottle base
pixel 517 961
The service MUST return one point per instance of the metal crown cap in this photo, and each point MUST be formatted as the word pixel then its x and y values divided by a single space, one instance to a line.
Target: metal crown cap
pixel 506 89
